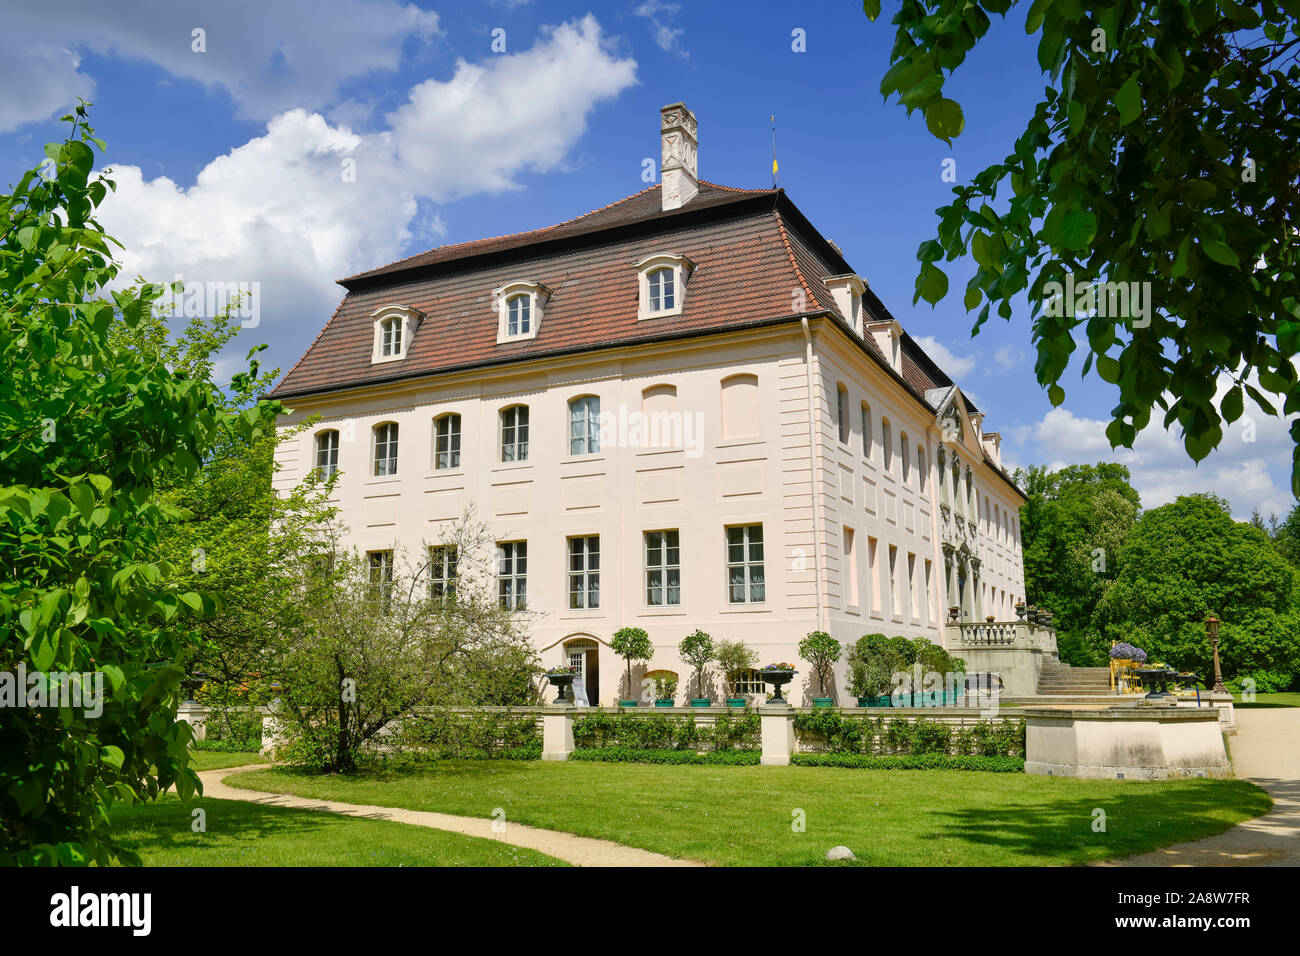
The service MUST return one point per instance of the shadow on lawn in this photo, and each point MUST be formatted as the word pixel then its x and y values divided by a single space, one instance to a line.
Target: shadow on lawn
pixel 166 823
pixel 1138 817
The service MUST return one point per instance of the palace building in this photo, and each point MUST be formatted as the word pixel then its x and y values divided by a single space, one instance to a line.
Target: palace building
pixel 682 410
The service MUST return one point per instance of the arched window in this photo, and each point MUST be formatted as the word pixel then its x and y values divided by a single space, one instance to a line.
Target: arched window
pixel 327 453
pixel 942 471
pixel 446 431
pixel 842 412
pixel 386 448
pixel 584 425
pixel 663 291
pixel 922 466
pixel 866 431
pixel 390 337
pixel 905 455
pixel 514 433
pixel 887 443
pixel 740 407
pixel 519 313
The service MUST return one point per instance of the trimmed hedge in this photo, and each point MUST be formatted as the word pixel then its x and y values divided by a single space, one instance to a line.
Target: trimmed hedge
pixel 877 736
pixel 729 731
pixel 729 758
pixel 928 761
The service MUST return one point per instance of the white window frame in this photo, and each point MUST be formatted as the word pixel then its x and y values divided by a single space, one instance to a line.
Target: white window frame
pixel 518 445
pixel 443 564
pixel 591 435
pixel 664 568
pixel 324 470
pixel 407 321
pixel 453 437
pixel 512 583
pixel 391 447
pixel 747 562
pixel 538 296
pixel 681 267
pixel 583 580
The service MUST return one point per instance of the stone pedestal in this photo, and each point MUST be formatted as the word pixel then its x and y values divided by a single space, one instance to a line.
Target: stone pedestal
pixel 557 731
pixel 1142 742
pixel 196 715
pixel 776 723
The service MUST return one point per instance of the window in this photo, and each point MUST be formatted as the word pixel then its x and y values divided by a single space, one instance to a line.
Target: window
pixel 519 311
pixel 740 409
pixel 381 576
pixel 390 341
pixel 442 572
pixel 519 308
pixel 584 572
pixel 873 572
pixel 850 569
pixel 662 294
pixel 327 454
pixel 904 456
pixel 913 585
pixel 663 280
pixel 512 574
pixel 866 430
pixel 514 433
pixel 745 584
pixel 887 443
pixel 747 682
pixel 929 583
pixel 895 593
pixel 842 412
pixel 663 572
pixel 922 467
pixel 394 327
pixel 386 448
pixel 446 430
pixel 584 425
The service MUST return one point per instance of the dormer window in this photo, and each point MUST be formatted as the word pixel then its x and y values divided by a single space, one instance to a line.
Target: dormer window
pixel 394 327
pixel 663 280
pixel 519 310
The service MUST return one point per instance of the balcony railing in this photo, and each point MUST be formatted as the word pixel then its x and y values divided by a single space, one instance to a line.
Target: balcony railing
pixel 1007 634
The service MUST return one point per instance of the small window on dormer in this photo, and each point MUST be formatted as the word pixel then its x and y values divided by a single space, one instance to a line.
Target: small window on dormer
pixel 394 327
pixel 519 310
pixel 661 290
pixel 663 280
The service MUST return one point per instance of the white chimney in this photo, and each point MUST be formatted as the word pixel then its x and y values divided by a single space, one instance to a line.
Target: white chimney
pixel 678 168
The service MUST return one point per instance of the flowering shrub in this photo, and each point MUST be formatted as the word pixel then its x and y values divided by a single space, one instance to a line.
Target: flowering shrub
pixel 778 667
pixel 1127 652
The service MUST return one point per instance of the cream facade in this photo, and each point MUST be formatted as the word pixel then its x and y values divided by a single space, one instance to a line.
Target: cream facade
pixel 758 482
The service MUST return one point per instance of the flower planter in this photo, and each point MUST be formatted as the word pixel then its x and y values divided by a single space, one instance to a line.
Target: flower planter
pixel 823 702
pixel 701 702
pixel 778 679
pixel 735 702
pixel 664 703
pixel 562 682
pixel 627 703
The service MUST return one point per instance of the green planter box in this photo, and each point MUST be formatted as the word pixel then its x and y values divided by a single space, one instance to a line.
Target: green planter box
pixel 823 702
pixel 627 703
pixel 735 702
pixel 664 703
pixel 701 702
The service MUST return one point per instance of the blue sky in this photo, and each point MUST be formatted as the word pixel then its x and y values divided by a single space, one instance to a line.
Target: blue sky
pixel 229 159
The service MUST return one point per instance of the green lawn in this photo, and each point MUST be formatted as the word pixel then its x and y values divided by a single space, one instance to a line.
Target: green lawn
pixel 249 834
pixel 214 760
pixel 744 815
pixel 1284 699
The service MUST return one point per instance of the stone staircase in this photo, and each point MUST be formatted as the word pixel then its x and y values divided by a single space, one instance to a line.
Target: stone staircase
pixel 1062 680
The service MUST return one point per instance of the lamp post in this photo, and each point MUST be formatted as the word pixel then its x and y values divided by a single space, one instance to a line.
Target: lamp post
pixel 1212 627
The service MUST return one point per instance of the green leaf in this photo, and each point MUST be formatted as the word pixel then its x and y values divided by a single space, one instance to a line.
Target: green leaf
pixel 1078 229
pixel 943 117
pixel 1220 252
pixel 112 756
pixel 1128 100
pixel 931 284
pixel 1231 406
pixel 871 8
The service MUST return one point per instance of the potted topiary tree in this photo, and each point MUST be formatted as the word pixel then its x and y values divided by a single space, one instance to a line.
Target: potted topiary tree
pixel 821 651
pixel 872 663
pixel 665 684
pixel 696 649
pixel 733 658
pixel 631 644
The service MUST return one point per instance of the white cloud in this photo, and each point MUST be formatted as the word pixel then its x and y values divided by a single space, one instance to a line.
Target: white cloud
pixel 954 365
pixel 1246 469
pixel 267 57
pixel 1007 357
pixel 279 211
pixel 667 37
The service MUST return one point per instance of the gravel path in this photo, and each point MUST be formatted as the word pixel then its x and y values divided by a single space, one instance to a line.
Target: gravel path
pixel 580 851
pixel 1265 751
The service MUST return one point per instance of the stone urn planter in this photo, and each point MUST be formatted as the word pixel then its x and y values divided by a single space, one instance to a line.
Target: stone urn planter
pixel 778 676
pixel 1020 610
pixel 1157 679
pixel 562 679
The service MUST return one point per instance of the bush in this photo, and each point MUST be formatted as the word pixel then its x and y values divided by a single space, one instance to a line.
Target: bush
pixel 929 761
pixel 450 735
pixel 667 732
pixel 729 758
pixel 930 737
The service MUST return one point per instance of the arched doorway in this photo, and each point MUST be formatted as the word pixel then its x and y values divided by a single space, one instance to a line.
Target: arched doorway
pixel 584 654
